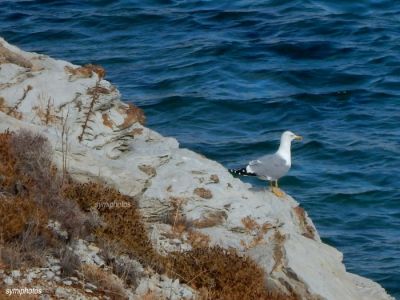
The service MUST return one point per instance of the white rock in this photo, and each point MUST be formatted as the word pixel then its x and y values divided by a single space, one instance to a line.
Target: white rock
pixel 143 287
pixel 30 276
pixel 90 286
pixel 115 149
pixel 98 261
pixel 67 282
pixel 56 227
pixel 175 284
pixel 8 280
pixel 49 275
pixel 52 260
pixel 86 254
pixel 55 268
pixel 93 248
pixel 44 297
pixel 15 273
pixel 62 293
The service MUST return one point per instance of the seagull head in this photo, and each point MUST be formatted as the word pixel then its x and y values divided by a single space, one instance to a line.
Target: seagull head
pixel 290 136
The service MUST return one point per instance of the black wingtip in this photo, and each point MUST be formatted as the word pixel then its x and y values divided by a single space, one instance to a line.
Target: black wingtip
pixel 241 172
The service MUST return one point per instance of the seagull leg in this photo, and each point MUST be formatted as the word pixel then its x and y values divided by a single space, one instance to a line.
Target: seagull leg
pixel 277 191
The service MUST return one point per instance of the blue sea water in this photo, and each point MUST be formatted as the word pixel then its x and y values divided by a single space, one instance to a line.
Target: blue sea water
pixel 227 77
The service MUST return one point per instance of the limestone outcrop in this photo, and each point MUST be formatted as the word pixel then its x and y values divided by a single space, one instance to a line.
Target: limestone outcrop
pixel 98 137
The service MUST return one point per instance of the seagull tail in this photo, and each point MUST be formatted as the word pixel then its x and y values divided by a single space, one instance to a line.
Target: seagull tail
pixel 241 172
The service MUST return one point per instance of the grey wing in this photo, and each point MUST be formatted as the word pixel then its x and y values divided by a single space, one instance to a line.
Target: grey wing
pixel 270 167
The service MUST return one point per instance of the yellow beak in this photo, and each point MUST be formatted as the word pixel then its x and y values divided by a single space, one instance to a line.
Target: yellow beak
pixel 298 138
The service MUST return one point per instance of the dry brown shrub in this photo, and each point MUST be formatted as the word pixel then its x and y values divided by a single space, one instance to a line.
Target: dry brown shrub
pixel 122 225
pixel 108 250
pixel 223 273
pixel 210 219
pixel 69 262
pixel 10 256
pixel 33 155
pixel 4 296
pixel 26 171
pixel 126 270
pixel 23 223
pixel 198 240
pixel 15 214
pixel 151 296
pixel 45 110
pixel 107 282
pixel 175 217
pixel 7 163
pixel 26 238
pixel 122 265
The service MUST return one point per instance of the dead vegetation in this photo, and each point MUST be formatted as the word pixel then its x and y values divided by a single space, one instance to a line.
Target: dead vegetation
pixel 85 71
pixel 95 96
pixel 203 193
pixel 133 114
pixel 122 226
pixel 107 282
pixel 69 262
pixel 176 218
pixel 211 219
pixel 256 230
pixel 45 110
pixel 30 196
pixel 32 192
pixel 36 174
pixel 13 110
pixel 221 274
pixel 197 239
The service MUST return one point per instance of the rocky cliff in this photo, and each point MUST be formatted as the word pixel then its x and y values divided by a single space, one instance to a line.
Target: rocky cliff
pixel 97 137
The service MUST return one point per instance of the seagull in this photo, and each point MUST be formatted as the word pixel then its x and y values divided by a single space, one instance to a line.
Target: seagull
pixel 271 167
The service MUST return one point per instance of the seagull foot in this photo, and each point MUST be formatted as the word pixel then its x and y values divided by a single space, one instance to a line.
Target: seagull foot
pixel 277 191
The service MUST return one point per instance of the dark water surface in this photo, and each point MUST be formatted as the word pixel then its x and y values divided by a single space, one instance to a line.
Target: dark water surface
pixel 227 77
